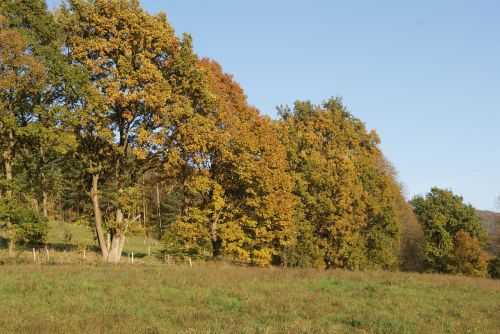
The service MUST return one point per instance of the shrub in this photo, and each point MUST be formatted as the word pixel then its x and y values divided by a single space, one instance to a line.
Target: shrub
pixel 23 224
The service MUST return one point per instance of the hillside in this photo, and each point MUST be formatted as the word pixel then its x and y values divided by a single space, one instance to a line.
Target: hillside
pixel 72 237
pixel 228 299
pixel 491 222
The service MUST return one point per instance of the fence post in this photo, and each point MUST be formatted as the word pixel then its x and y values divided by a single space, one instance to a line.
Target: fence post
pixel 190 263
pixel 132 258
pixel 149 250
pixel 34 255
pixel 84 256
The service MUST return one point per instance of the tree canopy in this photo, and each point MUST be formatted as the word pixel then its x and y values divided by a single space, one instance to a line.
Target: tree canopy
pixel 347 214
pixel 111 119
pixel 453 233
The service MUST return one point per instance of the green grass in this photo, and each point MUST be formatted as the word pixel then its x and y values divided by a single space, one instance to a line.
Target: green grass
pixel 71 295
pixel 82 235
pixel 223 299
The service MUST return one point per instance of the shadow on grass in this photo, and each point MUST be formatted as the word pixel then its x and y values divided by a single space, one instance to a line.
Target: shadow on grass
pixel 65 247
pixel 136 255
pixel 51 245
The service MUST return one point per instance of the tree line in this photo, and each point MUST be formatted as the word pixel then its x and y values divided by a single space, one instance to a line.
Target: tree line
pixel 109 118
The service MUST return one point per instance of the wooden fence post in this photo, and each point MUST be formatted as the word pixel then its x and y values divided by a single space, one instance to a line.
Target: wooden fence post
pixel 34 255
pixel 132 258
pixel 190 263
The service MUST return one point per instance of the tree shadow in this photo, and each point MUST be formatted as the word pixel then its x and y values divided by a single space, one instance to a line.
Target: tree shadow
pixel 66 247
pixel 136 255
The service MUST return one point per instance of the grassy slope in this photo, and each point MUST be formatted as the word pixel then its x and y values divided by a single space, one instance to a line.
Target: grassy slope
pixel 224 299
pixel 84 235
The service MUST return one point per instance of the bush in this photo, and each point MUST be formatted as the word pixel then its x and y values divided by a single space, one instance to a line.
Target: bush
pixel 23 224
pixel 186 239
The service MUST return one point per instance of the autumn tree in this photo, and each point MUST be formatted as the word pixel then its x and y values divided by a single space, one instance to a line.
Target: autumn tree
pixel 126 53
pixel 253 210
pixel 412 240
pixel 46 129
pixel 347 211
pixel 453 233
pixel 467 256
pixel 20 77
pixel 236 199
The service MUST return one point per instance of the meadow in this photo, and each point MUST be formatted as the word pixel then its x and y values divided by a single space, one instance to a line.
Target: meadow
pixel 70 294
pixel 220 298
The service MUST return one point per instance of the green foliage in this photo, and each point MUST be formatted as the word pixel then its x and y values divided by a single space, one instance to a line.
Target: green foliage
pixel 348 210
pixel 494 268
pixel 230 171
pixel 24 225
pixel 106 113
pixel 443 215
pixel 188 237
pixel 39 125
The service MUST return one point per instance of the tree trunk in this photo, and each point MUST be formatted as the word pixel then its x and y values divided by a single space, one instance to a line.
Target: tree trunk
pixel 11 237
pixel 158 209
pixel 116 249
pixel 122 243
pixel 115 252
pixel 144 206
pixel 8 176
pixel 98 216
pixel 8 157
pixel 43 180
pixel 216 242
pixel 117 240
pixel 44 203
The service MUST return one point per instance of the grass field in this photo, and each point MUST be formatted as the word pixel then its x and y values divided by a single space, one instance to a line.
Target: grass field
pixel 69 294
pixel 223 299
pixel 66 242
pixel 82 235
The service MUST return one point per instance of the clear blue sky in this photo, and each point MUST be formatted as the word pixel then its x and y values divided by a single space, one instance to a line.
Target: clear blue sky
pixel 424 74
